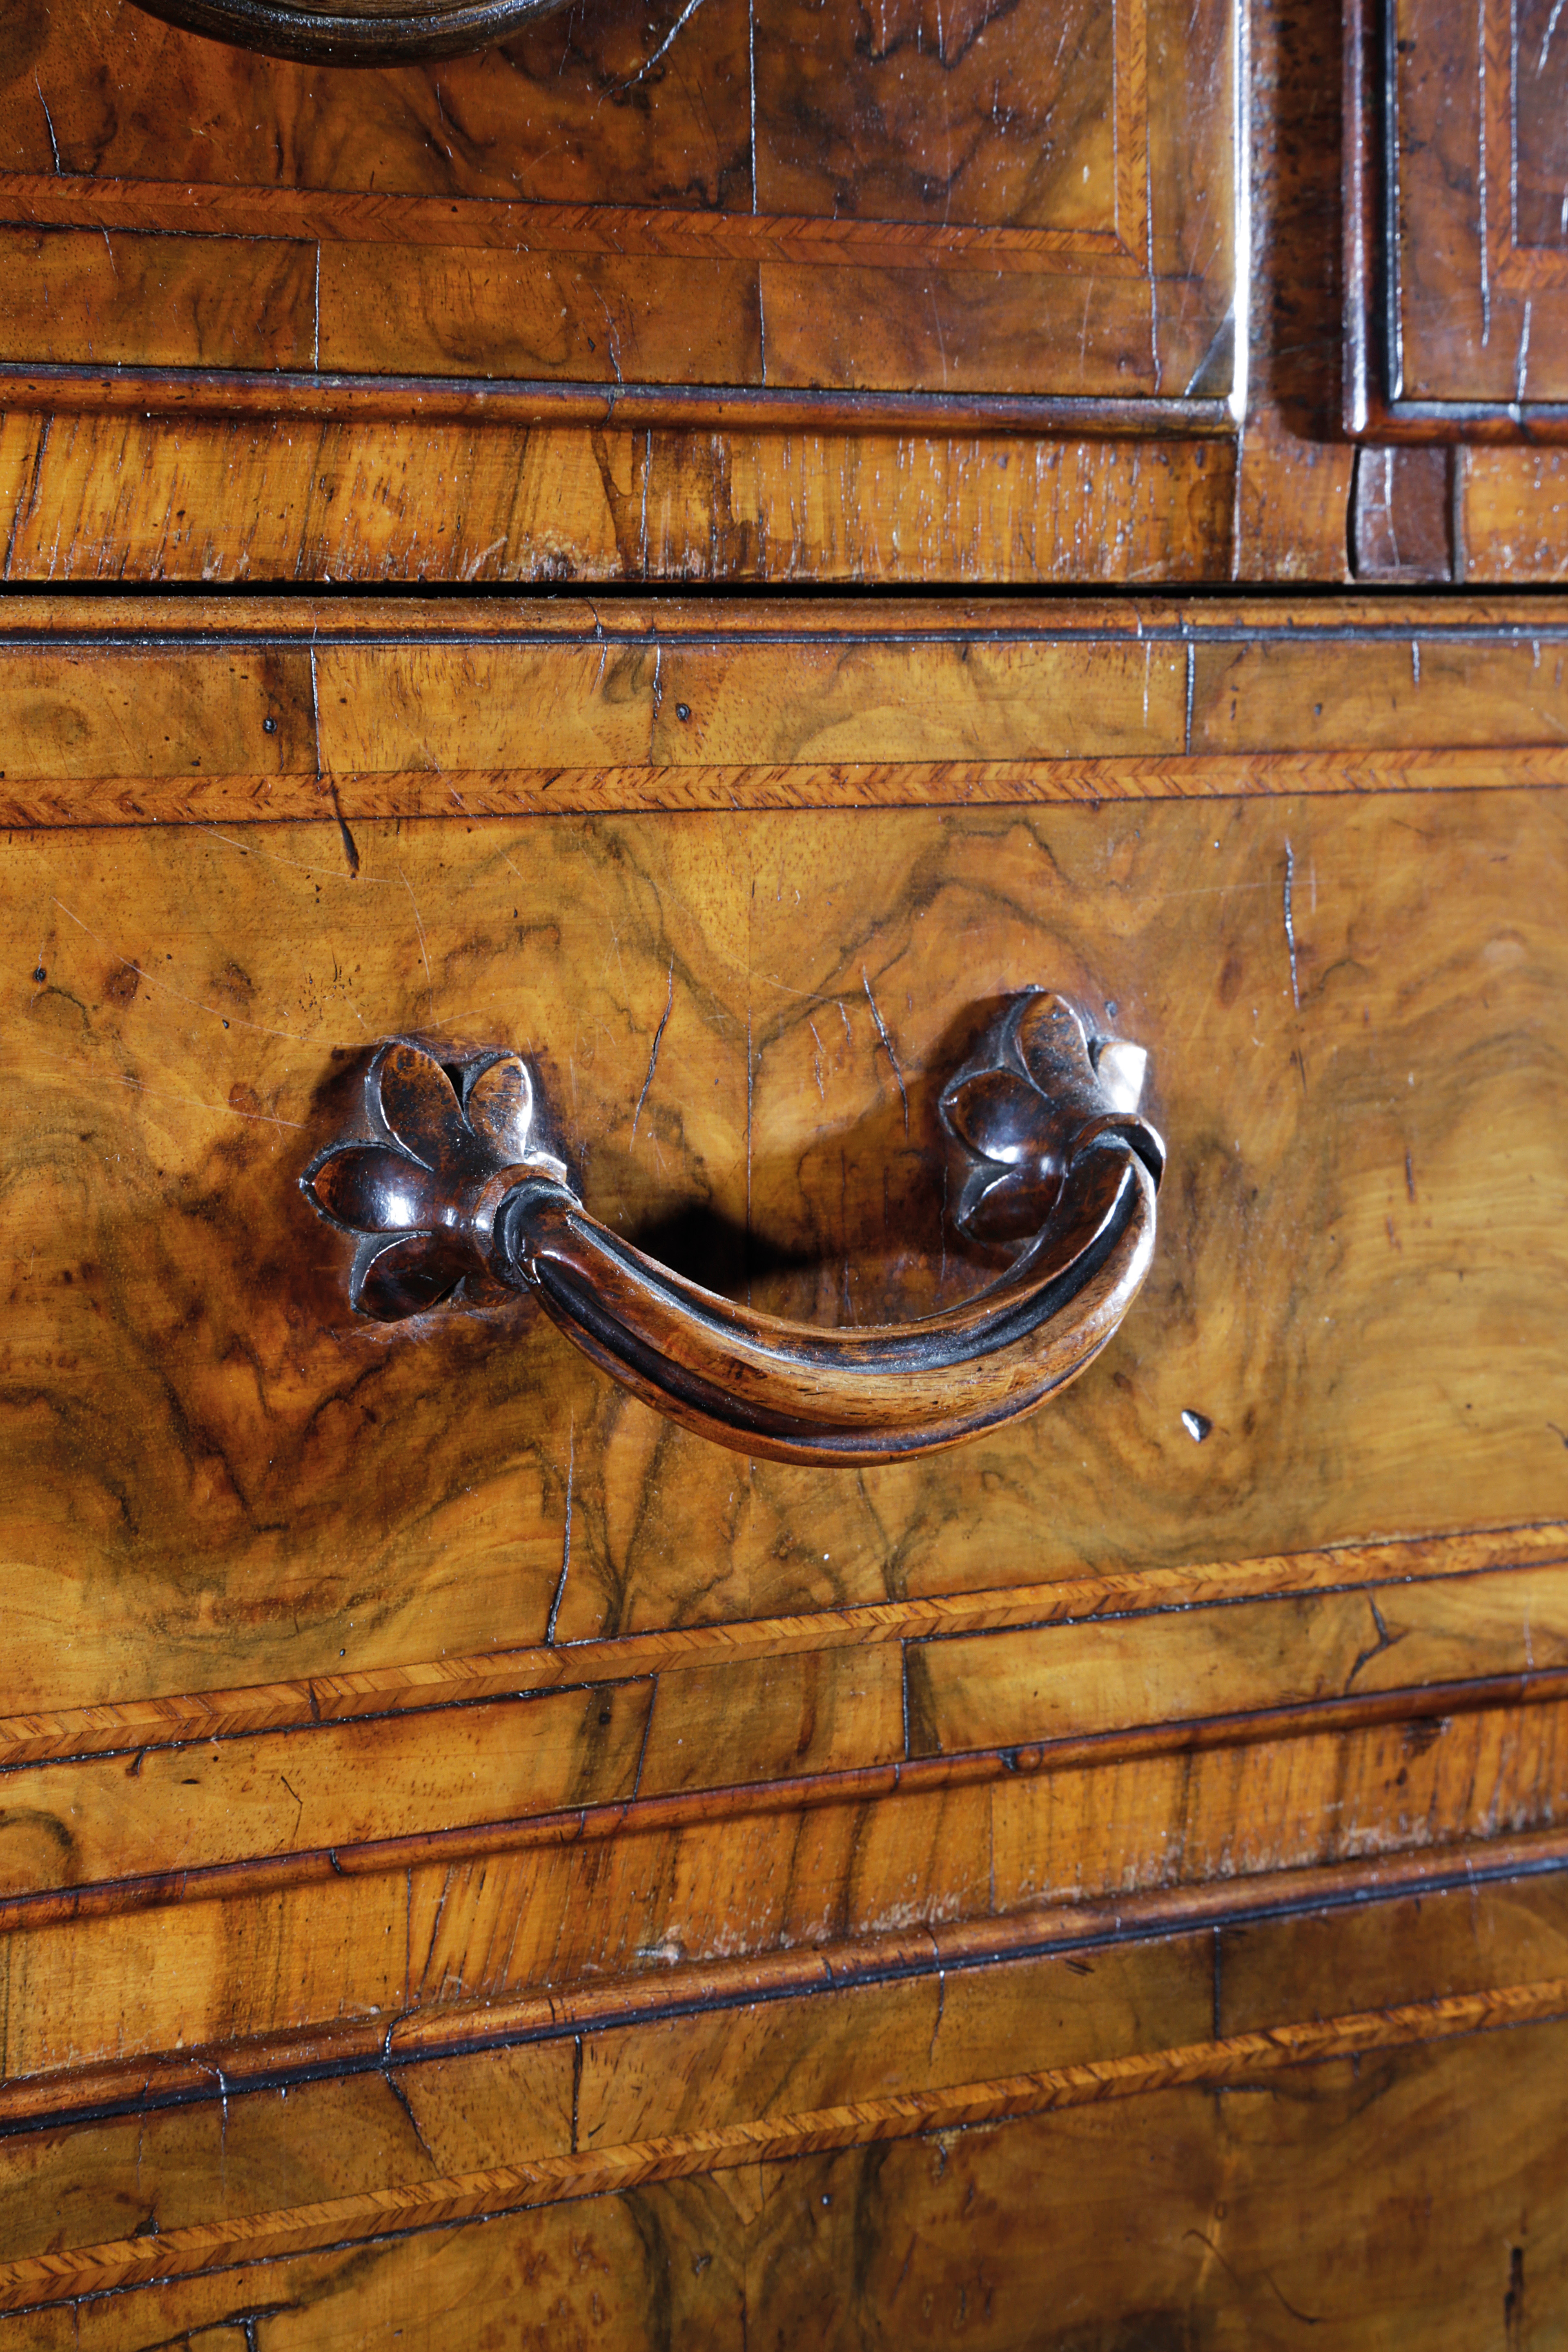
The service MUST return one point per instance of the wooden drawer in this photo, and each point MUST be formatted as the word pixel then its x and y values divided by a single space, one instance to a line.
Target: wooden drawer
pixel 768 202
pixel 731 291
pixel 435 1786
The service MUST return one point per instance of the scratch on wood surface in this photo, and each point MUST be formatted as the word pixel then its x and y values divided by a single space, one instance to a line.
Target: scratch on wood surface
pixel 351 848
pixel 648 63
pixel 1291 926
pixel 750 1077
pixel 752 70
pixel 295 864
pixel 49 120
pixel 1481 178
pixel 26 505
pixel 941 340
pixel 566 1533
pixel 647 1727
pixel 476 563
pixel 419 927
pixel 186 1102
pixel 887 1045
pixel 167 988
pixel 398 2093
pixel 611 333
pixel 658 1041
pixel 1149 251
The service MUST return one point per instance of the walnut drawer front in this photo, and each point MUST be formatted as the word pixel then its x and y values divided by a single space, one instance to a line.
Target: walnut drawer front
pixel 407 1730
pixel 737 291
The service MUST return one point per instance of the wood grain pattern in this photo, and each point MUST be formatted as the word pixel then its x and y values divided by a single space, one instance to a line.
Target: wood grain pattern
pixel 268 1976
pixel 587 132
pixel 686 2080
pixel 1514 514
pixel 1242 2061
pixel 475 1864
pixel 896 119
pixel 1406 1949
pixel 908 329
pixel 384 310
pixel 1293 478
pixel 122 498
pixel 992 1689
pixel 949 2232
pixel 565 110
pixel 179 1808
pixel 288 2059
pixel 664 162
pixel 162 1818
pixel 155 301
pixel 1066 193
pixel 545 2123
pixel 1406 515
pixel 484 710
pixel 720 1654
pixel 1456 275
pixel 160 1474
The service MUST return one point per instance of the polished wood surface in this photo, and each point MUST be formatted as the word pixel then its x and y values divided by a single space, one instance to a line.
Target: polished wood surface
pixel 479 1862
pixel 461 1793
pixel 92 487
pixel 1458 241
pixel 1073 244
pixel 1284 953
pixel 612 301
pixel 312 708
pixel 1134 2059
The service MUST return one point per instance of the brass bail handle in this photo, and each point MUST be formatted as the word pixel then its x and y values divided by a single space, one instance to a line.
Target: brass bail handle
pixel 452 1181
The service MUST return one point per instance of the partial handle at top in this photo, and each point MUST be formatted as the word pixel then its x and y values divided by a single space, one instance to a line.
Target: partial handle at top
pixel 452 1184
pixel 353 32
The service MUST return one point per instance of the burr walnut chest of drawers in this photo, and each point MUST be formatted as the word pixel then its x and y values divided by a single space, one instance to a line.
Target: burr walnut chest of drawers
pixel 733 738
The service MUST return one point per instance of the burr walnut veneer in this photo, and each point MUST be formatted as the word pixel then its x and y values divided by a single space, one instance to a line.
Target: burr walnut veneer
pixel 483 1863
pixel 438 1787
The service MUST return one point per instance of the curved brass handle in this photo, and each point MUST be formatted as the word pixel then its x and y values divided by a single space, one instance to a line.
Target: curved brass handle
pixel 353 32
pixel 452 1184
